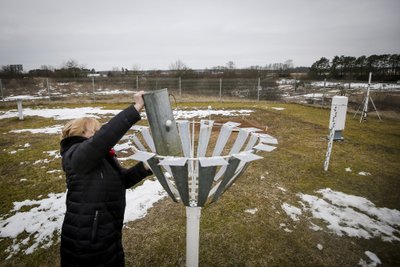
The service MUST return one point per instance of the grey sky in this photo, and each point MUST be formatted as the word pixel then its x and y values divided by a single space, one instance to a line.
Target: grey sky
pixel 153 34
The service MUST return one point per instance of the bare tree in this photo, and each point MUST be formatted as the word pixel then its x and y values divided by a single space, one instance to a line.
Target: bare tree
pixel 178 66
pixel 230 65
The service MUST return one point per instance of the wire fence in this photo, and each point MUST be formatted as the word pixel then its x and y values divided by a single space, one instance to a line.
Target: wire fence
pixel 102 87
pixel 121 89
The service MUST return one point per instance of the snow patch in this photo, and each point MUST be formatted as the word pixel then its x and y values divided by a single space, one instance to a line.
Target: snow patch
pixel 350 215
pixel 251 211
pixel 44 219
pixel 292 211
pixel 56 129
pixel 373 260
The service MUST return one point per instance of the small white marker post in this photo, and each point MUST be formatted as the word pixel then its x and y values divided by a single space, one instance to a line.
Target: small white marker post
pixel 330 142
pixel 20 113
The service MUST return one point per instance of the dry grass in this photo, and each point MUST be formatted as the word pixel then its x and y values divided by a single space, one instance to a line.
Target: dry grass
pixel 229 236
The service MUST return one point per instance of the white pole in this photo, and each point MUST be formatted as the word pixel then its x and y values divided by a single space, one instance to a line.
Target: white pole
pixel 94 93
pixel 220 90
pixel 1 89
pixel 258 90
pixel 192 236
pixel 330 142
pixel 137 83
pixel 365 110
pixel 20 114
pixel 180 87
pixel 48 87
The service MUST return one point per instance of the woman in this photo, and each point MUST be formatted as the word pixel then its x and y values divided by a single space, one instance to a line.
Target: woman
pixel 91 232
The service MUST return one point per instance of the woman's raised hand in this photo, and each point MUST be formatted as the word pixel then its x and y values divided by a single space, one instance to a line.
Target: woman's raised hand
pixel 139 102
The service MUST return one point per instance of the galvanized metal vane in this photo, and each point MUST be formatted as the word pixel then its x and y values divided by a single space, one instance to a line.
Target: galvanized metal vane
pixel 181 157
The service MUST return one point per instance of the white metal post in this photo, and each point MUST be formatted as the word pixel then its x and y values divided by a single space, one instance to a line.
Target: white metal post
pixel 330 142
pixel 94 93
pixel 137 83
pixel 180 87
pixel 192 236
pixel 20 114
pixel 365 110
pixel 258 90
pixel 48 87
pixel 220 90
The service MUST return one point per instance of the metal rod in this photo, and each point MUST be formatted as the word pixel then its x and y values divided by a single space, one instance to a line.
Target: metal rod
pixel 330 142
pixel 364 114
pixel 220 90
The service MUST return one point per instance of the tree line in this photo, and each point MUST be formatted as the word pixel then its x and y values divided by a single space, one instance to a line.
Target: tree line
pixel 72 69
pixel 383 67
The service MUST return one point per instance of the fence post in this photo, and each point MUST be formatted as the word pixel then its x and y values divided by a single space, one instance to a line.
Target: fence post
pixel 20 112
pixel 258 89
pixel 1 89
pixel 180 87
pixel 94 93
pixel 137 83
pixel 48 88
pixel 220 90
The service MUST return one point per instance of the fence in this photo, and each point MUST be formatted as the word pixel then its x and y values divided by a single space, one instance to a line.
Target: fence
pixel 121 89
pixel 97 88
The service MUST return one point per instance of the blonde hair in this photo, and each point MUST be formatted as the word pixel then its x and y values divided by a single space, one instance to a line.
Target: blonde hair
pixel 78 127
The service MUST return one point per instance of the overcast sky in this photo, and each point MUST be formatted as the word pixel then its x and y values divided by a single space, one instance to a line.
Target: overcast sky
pixel 153 34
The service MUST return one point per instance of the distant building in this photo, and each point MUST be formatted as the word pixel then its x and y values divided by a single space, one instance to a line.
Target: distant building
pixel 16 68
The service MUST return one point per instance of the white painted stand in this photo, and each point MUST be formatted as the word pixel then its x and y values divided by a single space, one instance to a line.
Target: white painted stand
pixel 20 114
pixel 192 236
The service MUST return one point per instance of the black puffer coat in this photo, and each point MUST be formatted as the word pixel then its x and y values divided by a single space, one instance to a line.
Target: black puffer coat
pixel 91 232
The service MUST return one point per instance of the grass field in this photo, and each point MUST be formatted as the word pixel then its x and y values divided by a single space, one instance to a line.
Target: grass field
pixel 229 234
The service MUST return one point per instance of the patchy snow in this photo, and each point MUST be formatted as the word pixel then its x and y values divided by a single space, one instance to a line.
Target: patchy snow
pixel 278 108
pixel 97 112
pixel 61 113
pixel 313 95
pixel 251 211
pixel 364 173
pixel 24 97
pixel 373 86
pixel 114 92
pixel 348 169
pixel 320 247
pixel 189 114
pixel 292 211
pixel 53 153
pixel 54 171
pixel 27 145
pixel 282 189
pixel 56 129
pixel 373 260
pixel 349 215
pixel 43 217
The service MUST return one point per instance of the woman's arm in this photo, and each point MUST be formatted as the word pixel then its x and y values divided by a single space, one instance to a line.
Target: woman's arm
pixel 135 174
pixel 89 153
